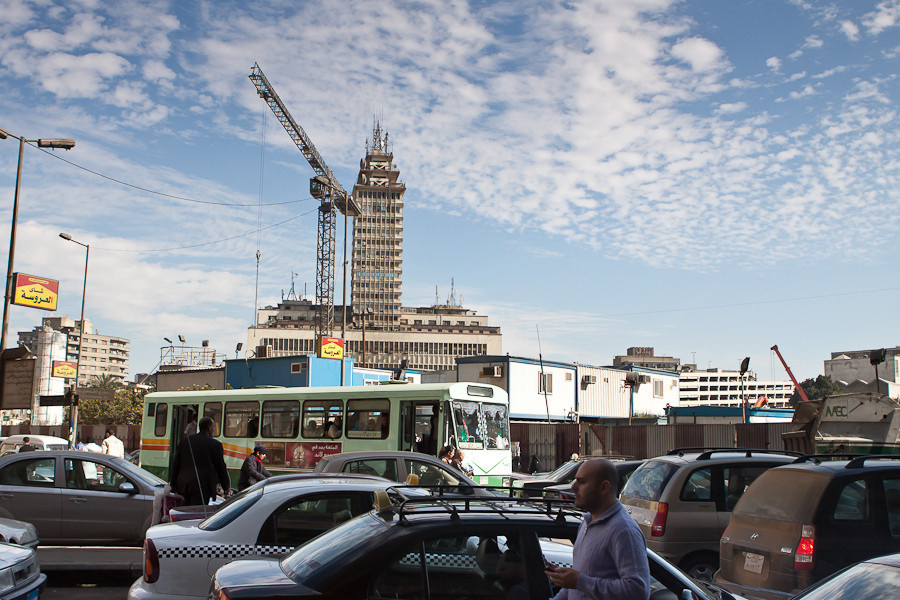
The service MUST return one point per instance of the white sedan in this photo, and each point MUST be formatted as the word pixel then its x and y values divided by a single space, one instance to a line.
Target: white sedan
pixel 270 518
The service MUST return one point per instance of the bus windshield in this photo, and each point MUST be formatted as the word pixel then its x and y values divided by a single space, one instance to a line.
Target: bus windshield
pixel 468 424
pixel 495 419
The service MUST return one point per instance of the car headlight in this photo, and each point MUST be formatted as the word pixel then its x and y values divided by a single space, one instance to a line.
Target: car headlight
pixel 7 581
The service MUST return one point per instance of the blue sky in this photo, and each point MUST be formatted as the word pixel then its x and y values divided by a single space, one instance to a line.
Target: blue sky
pixel 708 178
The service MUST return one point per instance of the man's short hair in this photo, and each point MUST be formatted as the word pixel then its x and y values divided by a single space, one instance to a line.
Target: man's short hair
pixel 110 431
pixel 26 439
pixel 606 470
pixel 207 424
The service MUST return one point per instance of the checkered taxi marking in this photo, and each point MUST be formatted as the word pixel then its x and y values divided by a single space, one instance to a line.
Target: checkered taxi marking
pixel 229 551
pixel 466 561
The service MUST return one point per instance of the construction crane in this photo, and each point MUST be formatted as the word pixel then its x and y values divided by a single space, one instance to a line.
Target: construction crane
pixel 325 188
pixel 791 375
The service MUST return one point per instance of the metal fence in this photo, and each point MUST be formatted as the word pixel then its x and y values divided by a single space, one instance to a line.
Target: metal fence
pixel 554 443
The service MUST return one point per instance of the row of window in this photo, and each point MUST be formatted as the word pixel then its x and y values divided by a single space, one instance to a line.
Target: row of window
pixel 281 419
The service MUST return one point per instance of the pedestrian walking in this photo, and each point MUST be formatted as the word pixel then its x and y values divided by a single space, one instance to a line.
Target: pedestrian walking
pixel 26 445
pixel 253 471
pixel 610 553
pixel 199 464
pixel 112 445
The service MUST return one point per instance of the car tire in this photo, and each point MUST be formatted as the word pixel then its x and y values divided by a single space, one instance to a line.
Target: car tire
pixel 701 567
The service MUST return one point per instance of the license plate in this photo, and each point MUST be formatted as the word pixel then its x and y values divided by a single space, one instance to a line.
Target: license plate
pixel 33 594
pixel 754 562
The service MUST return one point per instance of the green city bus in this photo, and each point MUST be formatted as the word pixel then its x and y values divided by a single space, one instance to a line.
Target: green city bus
pixel 298 426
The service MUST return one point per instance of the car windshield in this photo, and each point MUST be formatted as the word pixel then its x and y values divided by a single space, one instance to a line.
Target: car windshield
pixel 564 473
pixel 649 480
pixel 232 509
pixel 866 581
pixel 146 476
pixel 331 547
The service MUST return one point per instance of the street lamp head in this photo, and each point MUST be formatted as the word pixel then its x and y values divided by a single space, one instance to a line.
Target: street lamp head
pixel 181 338
pixel 56 143
pixel 66 236
pixel 3 134
pixel 167 339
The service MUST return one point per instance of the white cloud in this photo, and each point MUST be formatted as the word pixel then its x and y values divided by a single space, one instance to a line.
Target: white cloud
pixel 774 63
pixel 813 41
pixel 700 53
pixel 885 16
pixel 732 107
pixel 850 29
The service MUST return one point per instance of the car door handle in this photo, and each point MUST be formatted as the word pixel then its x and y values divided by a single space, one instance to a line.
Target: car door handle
pixel 78 500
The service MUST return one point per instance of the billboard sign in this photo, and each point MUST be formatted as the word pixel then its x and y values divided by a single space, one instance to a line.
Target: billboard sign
pixel 18 384
pixel 331 348
pixel 64 369
pixel 36 292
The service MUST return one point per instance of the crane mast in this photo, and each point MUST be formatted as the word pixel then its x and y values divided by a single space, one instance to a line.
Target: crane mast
pixel 327 189
pixel 791 375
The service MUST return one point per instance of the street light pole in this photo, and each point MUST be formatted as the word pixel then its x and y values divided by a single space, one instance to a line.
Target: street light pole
pixel 42 143
pixel 74 412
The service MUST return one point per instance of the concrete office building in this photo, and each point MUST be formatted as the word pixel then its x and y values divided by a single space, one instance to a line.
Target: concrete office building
pixel 716 387
pixel 640 356
pixel 100 354
pixel 853 370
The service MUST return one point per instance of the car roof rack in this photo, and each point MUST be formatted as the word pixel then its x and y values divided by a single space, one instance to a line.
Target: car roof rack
pixel 707 452
pixel 558 510
pixel 818 458
pixel 687 449
pixel 860 461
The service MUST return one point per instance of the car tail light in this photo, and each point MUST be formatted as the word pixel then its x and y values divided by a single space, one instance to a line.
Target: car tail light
pixel 659 521
pixel 222 595
pixel 151 562
pixel 803 557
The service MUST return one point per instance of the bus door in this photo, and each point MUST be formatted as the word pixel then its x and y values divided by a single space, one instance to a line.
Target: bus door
pixel 419 426
pixel 182 415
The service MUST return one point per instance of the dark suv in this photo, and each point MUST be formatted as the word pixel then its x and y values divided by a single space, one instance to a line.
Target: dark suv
pixel 802 522
pixel 682 500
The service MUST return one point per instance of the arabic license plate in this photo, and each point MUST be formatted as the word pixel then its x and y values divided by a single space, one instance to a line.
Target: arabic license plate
pixel 754 562
pixel 33 594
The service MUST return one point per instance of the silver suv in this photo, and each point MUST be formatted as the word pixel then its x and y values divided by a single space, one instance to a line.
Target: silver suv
pixel 683 500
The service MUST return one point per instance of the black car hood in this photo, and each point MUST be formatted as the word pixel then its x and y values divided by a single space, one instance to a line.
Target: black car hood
pixel 259 578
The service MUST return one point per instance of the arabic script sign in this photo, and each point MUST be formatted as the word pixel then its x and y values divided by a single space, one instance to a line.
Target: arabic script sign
pixel 35 292
pixel 18 384
pixel 331 347
pixel 64 369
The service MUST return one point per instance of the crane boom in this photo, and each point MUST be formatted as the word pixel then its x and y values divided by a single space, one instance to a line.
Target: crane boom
pixel 791 375
pixel 327 189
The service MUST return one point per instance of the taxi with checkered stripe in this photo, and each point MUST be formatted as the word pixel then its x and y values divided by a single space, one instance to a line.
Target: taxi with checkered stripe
pixel 270 518
pixel 436 549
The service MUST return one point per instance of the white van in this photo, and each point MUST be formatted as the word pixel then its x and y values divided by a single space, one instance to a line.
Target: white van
pixel 12 444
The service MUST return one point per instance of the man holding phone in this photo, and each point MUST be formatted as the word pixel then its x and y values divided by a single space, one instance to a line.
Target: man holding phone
pixel 610 554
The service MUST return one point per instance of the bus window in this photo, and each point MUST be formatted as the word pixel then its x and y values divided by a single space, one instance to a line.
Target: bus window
pixel 468 431
pixel 319 415
pixel 364 418
pixel 280 418
pixel 151 409
pixel 213 410
pixel 495 419
pixel 241 419
pixel 161 420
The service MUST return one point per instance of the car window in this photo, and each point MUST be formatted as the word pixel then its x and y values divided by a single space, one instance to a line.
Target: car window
pixel 430 474
pixel 736 480
pixel 485 567
pixel 386 468
pixel 852 502
pixel 37 472
pixel 649 480
pixel 698 486
pixel 303 518
pixel 892 503
pixel 90 475
pixel 866 581
pixel 783 494
pixel 232 509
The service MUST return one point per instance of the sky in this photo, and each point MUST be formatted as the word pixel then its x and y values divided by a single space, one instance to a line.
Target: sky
pixel 707 178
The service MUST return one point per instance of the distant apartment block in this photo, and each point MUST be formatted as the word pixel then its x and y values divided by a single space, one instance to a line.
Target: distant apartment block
pixel 644 357
pixel 716 387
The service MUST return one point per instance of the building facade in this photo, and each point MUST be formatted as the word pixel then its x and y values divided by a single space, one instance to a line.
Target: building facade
pixel 853 370
pixel 642 356
pixel 377 272
pixel 100 354
pixel 716 387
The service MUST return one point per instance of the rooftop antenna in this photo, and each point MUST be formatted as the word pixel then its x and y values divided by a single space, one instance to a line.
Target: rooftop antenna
pixel 452 300
pixel 543 379
pixel 437 300
pixel 292 295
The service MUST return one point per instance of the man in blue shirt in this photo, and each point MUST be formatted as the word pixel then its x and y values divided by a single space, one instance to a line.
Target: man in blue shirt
pixel 610 554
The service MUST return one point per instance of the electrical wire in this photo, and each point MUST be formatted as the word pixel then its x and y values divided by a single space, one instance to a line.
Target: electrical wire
pixel 164 195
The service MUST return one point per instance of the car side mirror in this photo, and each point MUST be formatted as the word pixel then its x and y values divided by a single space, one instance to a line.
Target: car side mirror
pixel 128 488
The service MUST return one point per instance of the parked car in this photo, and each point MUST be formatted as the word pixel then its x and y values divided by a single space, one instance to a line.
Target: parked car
pixel 81 498
pixel 682 500
pixel 12 444
pixel 491 549
pixel 563 491
pixel 20 575
pixel 397 465
pixel 534 487
pixel 801 522
pixel 269 518
pixel 18 532
pixel 873 579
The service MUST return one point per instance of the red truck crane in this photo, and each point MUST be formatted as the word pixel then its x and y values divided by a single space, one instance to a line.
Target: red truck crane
pixel 791 375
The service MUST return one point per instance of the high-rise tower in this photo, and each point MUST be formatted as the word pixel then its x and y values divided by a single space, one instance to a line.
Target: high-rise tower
pixel 378 237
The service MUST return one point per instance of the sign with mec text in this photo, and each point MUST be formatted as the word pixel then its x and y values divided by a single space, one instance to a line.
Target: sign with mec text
pixel 836 410
pixel 331 347
pixel 64 369
pixel 36 292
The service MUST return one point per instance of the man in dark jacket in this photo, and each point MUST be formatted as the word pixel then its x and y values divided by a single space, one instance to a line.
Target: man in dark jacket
pixel 253 471
pixel 199 465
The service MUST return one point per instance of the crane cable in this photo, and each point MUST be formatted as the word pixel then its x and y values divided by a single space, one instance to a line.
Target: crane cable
pixel 262 170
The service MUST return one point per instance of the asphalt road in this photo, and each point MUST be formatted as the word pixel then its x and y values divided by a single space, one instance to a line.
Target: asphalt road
pixel 93 585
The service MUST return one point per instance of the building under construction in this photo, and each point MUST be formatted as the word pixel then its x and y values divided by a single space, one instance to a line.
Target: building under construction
pixel 381 332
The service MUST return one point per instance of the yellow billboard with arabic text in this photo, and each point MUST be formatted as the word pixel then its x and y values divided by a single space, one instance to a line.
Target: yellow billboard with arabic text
pixel 64 369
pixel 36 292
pixel 331 348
